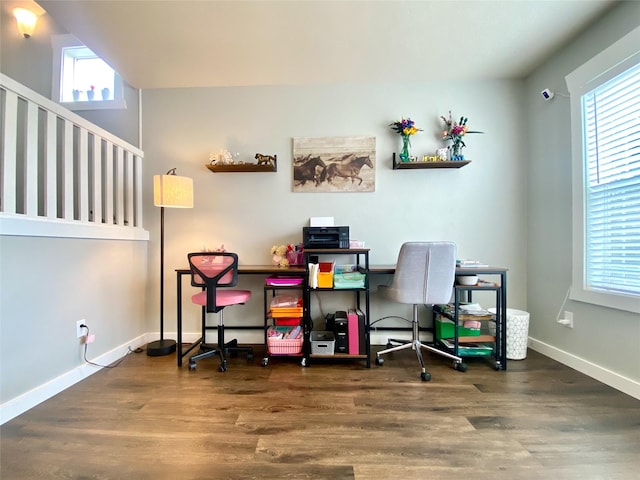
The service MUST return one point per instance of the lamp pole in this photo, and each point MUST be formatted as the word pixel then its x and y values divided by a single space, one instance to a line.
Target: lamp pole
pixel 161 347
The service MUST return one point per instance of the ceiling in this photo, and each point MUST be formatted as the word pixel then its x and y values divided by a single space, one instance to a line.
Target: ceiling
pixel 164 44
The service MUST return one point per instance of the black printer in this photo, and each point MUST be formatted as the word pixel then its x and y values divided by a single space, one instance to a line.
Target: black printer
pixel 325 237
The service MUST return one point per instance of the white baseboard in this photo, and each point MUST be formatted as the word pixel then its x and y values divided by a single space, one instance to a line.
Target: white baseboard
pixel 614 380
pixel 20 404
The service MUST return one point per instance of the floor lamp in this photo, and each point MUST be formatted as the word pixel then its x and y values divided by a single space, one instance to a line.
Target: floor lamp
pixel 170 191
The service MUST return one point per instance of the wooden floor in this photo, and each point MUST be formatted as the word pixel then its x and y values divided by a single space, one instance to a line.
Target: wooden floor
pixel 147 419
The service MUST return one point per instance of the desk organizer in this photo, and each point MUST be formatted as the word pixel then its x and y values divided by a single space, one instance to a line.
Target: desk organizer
pixel 348 280
pixel 325 275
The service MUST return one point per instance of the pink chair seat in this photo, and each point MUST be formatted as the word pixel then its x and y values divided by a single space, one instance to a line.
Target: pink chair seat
pixel 224 297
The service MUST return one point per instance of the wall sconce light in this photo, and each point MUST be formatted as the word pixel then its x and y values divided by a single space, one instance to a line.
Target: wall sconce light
pixel 26 21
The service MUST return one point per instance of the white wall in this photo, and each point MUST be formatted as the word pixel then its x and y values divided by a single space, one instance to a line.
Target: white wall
pixel 605 342
pixel 480 206
pixel 46 285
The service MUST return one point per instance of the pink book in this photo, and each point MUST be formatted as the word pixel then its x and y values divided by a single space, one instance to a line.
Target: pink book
pixel 354 338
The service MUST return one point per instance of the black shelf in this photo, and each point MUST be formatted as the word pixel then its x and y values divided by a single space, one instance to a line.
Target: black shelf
pixel 361 298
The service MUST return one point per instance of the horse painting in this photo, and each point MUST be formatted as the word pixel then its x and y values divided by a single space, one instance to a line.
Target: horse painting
pixel 342 168
pixel 307 171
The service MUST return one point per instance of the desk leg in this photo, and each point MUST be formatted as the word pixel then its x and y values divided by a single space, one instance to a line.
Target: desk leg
pixel 503 285
pixel 179 318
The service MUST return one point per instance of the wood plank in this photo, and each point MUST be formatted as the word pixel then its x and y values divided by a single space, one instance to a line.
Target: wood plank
pixel 146 418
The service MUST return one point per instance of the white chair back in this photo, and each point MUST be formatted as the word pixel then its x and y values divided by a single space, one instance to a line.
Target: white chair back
pixel 425 273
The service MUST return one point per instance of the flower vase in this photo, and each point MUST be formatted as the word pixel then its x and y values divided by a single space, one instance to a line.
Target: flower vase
pixel 455 152
pixel 404 154
pixel 90 94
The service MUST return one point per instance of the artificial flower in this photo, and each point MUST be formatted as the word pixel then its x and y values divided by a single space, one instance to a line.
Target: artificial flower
pixel 455 132
pixel 405 127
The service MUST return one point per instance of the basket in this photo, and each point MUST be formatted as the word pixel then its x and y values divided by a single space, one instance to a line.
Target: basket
pixel 322 343
pixel 284 347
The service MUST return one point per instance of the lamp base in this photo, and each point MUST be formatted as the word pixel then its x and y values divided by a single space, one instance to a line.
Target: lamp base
pixel 160 348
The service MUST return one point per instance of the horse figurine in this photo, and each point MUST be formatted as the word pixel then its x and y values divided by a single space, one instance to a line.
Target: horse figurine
pixel 346 170
pixel 307 170
pixel 266 159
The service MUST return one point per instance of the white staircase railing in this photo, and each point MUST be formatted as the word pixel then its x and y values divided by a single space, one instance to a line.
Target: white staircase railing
pixel 61 175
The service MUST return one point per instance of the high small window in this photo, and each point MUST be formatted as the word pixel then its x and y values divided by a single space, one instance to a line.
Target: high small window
pixel 81 79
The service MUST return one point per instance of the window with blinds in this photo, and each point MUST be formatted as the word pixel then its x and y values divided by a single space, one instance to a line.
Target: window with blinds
pixel 611 149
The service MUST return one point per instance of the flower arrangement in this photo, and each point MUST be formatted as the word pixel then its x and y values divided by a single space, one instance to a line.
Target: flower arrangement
pixel 285 255
pixel 455 132
pixel 405 127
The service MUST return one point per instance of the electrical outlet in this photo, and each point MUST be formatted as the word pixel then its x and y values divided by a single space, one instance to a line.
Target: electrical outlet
pixel 567 319
pixel 80 331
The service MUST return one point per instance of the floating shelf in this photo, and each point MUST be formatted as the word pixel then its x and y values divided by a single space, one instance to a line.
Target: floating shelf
pixel 242 167
pixel 421 165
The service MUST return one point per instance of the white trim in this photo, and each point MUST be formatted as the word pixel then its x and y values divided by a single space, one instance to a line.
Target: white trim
pixel 47 227
pixel 20 404
pixel 612 379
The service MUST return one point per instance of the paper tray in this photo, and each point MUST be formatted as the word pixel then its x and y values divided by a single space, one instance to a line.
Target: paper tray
pixel 284 281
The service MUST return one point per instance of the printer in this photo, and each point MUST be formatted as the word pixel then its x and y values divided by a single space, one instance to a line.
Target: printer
pixel 325 237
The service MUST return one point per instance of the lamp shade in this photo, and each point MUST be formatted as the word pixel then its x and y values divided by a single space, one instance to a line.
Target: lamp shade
pixel 172 191
pixel 26 21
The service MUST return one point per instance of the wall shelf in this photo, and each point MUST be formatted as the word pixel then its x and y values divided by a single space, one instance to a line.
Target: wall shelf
pixel 242 167
pixel 422 165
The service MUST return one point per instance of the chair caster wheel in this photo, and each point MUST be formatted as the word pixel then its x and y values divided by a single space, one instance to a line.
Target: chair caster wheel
pixel 425 376
pixel 192 367
pixel 265 362
pixel 461 367
pixel 304 362
pixel 389 345
pixel 222 368
pixel 379 361
pixel 249 357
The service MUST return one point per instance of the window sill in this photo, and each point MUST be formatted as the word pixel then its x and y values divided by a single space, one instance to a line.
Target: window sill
pixel 619 302
pixel 96 105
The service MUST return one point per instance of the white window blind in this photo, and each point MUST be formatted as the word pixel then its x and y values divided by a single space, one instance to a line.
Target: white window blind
pixel 611 135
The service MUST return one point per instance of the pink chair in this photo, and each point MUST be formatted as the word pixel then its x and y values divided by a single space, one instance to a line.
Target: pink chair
pixel 215 272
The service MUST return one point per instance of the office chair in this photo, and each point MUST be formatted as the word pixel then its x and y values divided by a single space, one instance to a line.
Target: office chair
pixel 215 272
pixel 425 273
